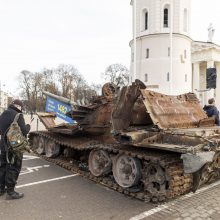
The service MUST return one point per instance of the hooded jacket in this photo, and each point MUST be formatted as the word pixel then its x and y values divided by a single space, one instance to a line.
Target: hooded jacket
pixel 7 117
pixel 211 110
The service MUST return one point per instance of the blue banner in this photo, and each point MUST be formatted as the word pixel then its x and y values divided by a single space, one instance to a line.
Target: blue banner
pixel 52 105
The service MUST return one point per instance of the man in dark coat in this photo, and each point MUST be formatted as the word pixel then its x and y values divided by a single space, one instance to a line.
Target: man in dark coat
pixel 9 172
pixel 211 110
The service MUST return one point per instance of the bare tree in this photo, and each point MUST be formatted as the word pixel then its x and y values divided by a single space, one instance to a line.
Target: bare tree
pixel 25 83
pixel 117 74
pixel 50 81
pixel 65 80
pixel 67 76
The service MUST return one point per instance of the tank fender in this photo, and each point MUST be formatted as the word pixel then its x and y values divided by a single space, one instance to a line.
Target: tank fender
pixel 194 162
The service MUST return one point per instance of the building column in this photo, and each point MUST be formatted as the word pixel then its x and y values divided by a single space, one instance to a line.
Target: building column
pixel 209 94
pixel 217 98
pixel 196 79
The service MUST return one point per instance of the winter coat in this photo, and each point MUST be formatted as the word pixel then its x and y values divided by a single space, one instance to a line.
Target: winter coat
pixel 7 117
pixel 211 110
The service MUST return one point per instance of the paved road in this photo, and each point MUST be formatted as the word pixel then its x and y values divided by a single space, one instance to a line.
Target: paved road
pixel 54 193
pixel 71 198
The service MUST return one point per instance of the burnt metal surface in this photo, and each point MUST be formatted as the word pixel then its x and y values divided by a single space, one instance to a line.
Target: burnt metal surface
pixel 124 110
pixel 95 118
pixel 168 182
pixel 92 119
pixel 151 131
pixel 47 119
pixel 167 112
pixel 194 162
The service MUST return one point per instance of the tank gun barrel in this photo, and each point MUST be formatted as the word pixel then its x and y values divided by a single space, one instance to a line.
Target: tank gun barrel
pixel 60 98
pixel 76 111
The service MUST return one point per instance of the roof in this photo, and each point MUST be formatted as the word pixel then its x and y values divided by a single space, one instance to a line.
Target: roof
pixel 198 46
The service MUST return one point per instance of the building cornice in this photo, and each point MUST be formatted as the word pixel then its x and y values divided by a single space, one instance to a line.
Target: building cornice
pixel 199 46
pixel 160 34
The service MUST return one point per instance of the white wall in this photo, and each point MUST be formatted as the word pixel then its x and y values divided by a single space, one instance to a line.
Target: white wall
pixel 157 39
pixel 155 10
pixel 158 64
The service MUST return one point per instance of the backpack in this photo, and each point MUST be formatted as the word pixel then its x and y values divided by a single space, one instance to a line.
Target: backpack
pixel 17 143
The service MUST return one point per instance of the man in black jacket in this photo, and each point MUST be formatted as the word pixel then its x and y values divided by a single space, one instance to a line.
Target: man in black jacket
pixel 9 172
pixel 211 110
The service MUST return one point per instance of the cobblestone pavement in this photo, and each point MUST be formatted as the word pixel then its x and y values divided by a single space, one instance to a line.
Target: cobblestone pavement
pixel 205 204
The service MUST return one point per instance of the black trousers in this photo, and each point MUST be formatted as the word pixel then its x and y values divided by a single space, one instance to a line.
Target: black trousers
pixel 9 172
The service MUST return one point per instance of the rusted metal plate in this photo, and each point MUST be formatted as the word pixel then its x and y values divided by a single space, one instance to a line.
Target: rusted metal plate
pixel 47 119
pixel 65 129
pixel 183 111
pixel 167 147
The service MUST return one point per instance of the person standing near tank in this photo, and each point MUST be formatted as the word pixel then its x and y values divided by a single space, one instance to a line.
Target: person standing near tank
pixel 9 172
pixel 211 110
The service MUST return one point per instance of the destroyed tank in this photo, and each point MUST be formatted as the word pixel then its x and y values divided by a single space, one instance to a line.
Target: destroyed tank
pixel 138 142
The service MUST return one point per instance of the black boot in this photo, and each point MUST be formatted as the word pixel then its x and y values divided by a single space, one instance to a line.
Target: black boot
pixel 11 194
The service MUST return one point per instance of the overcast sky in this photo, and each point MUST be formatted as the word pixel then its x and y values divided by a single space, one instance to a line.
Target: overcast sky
pixel 89 34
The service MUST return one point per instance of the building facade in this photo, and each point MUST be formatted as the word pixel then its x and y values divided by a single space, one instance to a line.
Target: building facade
pixel 163 60
pixel 205 55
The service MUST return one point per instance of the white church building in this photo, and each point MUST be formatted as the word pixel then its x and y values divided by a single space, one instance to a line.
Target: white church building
pixel 165 57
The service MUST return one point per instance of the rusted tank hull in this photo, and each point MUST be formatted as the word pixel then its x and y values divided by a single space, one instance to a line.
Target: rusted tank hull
pixel 141 143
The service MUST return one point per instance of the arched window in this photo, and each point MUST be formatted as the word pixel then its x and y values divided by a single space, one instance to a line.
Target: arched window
pixel 166 17
pixel 185 20
pixel 146 21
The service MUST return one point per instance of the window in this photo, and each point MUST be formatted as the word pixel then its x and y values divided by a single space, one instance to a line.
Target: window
pixel 185 77
pixel 147 53
pixel 146 77
pixel 185 20
pixel 166 18
pixel 168 51
pixel 185 54
pixel 146 21
pixel 168 77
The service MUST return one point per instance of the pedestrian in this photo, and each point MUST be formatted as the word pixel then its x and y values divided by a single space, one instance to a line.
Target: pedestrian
pixel 211 110
pixel 9 172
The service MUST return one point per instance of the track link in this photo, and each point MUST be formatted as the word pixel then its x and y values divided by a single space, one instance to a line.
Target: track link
pixel 177 183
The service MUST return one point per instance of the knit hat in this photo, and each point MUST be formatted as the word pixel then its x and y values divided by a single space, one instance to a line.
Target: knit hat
pixel 18 102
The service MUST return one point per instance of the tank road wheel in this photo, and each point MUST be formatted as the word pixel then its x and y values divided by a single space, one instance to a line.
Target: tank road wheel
pixel 52 149
pixel 126 170
pixel 40 144
pixel 100 162
pixel 154 179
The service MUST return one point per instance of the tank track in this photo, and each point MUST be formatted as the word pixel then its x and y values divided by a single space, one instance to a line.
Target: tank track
pixel 178 182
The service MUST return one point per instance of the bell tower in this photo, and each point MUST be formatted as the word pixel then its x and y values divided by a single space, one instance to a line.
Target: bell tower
pixel 161 54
